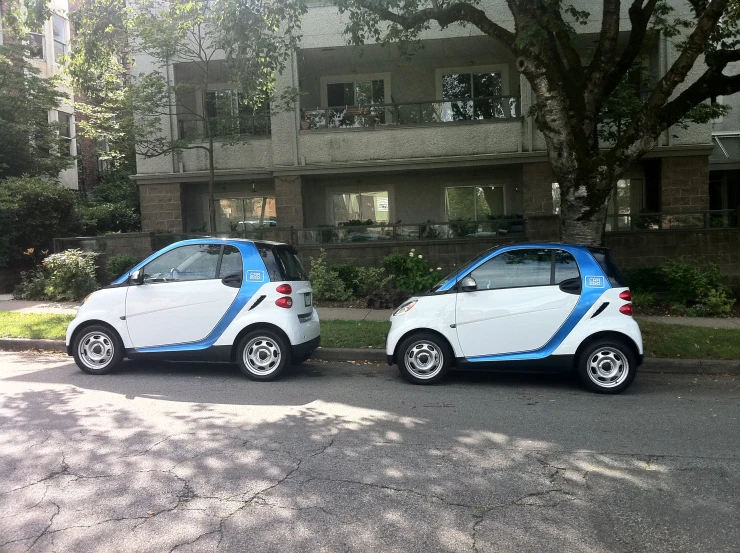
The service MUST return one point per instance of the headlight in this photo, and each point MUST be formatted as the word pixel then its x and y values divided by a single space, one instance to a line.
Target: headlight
pixel 85 300
pixel 405 308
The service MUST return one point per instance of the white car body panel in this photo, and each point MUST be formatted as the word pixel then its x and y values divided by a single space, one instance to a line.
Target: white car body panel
pixel 519 319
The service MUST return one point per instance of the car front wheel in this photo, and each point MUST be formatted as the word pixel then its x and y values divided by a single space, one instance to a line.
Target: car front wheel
pixel 262 355
pixel 97 350
pixel 607 366
pixel 424 358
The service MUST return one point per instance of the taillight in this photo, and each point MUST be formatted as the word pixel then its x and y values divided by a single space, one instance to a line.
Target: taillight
pixel 626 295
pixel 626 309
pixel 284 289
pixel 285 302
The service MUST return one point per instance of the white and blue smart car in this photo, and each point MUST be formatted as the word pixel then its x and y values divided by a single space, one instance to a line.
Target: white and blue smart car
pixel 207 300
pixel 534 306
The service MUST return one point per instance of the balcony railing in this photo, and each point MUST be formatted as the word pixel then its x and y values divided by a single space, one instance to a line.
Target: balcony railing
pixel 244 125
pixel 708 219
pixel 412 113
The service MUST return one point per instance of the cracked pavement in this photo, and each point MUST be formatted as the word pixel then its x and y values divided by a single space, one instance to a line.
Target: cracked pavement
pixel 339 457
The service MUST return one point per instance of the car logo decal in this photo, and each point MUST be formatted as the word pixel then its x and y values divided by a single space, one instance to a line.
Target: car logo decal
pixel 595 282
pixel 255 276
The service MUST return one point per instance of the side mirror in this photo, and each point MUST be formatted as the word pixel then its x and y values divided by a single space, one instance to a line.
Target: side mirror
pixel 468 284
pixel 137 277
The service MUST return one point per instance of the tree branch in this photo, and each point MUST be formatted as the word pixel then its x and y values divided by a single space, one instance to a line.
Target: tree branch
pixel 603 59
pixel 445 16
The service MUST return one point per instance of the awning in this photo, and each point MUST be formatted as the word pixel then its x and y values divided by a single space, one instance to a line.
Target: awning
pixel 726 152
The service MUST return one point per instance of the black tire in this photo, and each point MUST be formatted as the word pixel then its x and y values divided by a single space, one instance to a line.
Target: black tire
pixel 97 349
pixel 300 359
pixel 607 366
pixel 424 358
pixel 262 355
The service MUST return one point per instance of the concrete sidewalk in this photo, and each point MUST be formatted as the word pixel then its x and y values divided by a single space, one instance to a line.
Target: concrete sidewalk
pixel 7 303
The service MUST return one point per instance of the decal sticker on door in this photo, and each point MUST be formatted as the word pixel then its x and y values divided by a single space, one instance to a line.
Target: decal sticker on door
pixel 255 276
pixel 595 282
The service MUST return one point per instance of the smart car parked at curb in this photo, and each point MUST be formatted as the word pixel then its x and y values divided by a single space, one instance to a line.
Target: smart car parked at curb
pixel 550 307
pixel 207 300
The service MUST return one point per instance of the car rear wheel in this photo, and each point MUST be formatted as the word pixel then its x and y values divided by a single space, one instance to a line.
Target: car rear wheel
pixel 97 349
pixel 424 358
pixel 607 366
pixel 262 355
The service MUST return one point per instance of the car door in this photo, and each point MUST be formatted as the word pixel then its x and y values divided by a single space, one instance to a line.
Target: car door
pixel 185 292
pixel 522 297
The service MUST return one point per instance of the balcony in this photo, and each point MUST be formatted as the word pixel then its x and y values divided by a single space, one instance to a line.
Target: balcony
pixel 412 113
pixel 707 219
pixel 225 129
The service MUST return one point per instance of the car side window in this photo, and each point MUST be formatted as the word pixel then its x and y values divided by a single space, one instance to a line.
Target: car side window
pixel 515 269
pixel 566 267
pixel 231 262
pixel 193 262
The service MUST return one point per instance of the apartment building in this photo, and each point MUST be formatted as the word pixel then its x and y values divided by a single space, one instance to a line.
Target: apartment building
pixel 427 139
pixel 47 47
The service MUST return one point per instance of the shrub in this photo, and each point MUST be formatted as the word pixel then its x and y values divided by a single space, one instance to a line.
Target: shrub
pixel 370 280
pixel 646 279
pixel 347 272
pixel 411 272
pixel 119 264
pixel 108 217
pixel 643 299
pixel 32 213
pixel 325 282
pixel 698 289
pixel 116 187
pixel 66 276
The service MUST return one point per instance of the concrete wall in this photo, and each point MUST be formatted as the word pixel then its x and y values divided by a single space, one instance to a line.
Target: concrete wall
pixel 249 154
pixel 391 143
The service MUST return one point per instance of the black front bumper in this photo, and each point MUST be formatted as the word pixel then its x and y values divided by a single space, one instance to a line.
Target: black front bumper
pixel 299 350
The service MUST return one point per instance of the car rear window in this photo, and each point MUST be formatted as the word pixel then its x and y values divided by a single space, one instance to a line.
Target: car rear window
pixel 282 263
pixel 602 257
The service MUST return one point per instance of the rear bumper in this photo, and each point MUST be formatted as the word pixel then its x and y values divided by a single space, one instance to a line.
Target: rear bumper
pixel 305 348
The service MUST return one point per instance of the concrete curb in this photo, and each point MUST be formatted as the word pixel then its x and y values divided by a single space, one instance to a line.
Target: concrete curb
pixel 651 365
pixel 24 344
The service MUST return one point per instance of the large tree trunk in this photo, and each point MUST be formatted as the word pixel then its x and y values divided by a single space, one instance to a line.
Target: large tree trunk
pixel 582 214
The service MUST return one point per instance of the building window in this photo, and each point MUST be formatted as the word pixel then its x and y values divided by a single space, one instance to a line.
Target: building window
pixel 626 200
pixel 474 203
pixel 228 114
pixel 65 131
pixel 36 46
pixel 61 37
pixel 361 206
pixel 355 93
pixel 477 95
pixel 245 214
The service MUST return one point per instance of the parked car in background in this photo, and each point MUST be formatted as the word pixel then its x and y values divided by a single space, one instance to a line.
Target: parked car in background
pixel 551 307
pixel 209 300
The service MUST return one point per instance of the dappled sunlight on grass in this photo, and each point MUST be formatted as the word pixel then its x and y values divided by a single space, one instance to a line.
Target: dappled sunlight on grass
pixel 33 325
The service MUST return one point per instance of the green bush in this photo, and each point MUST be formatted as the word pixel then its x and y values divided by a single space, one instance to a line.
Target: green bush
pixel 700 290
pixel 643 299
pixel 32 213
pixel 66 276
pixel 108 217
pixel 116 187
pixel 370 280
pixel 119 264
pixel 646 279
pixel 411 272
pixel 348 273
pixel 326 282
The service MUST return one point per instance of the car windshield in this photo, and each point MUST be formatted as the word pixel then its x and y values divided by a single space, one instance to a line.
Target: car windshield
pixel 436 287
pixel 282 263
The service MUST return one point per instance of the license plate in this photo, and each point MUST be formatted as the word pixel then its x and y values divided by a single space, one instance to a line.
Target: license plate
pixel 308 300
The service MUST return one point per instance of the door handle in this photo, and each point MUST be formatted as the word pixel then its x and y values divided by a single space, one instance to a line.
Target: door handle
pixel 235 281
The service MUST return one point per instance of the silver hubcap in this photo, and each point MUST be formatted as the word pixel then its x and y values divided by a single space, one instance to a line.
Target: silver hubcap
pixel 608 367
pixel 262 356
pixel 424 359
pixel 96 350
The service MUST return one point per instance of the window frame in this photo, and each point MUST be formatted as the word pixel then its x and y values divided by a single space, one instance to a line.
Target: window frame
pixel 236 112
pixel 336 79
pixel 341 192
pixel 69 127
pixel 475 201
pixel 458 286
pixel 65 42
pixel 218 265
pixel 42 43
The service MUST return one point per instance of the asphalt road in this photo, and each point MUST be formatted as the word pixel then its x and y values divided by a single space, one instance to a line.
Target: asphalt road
pixel 342 457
